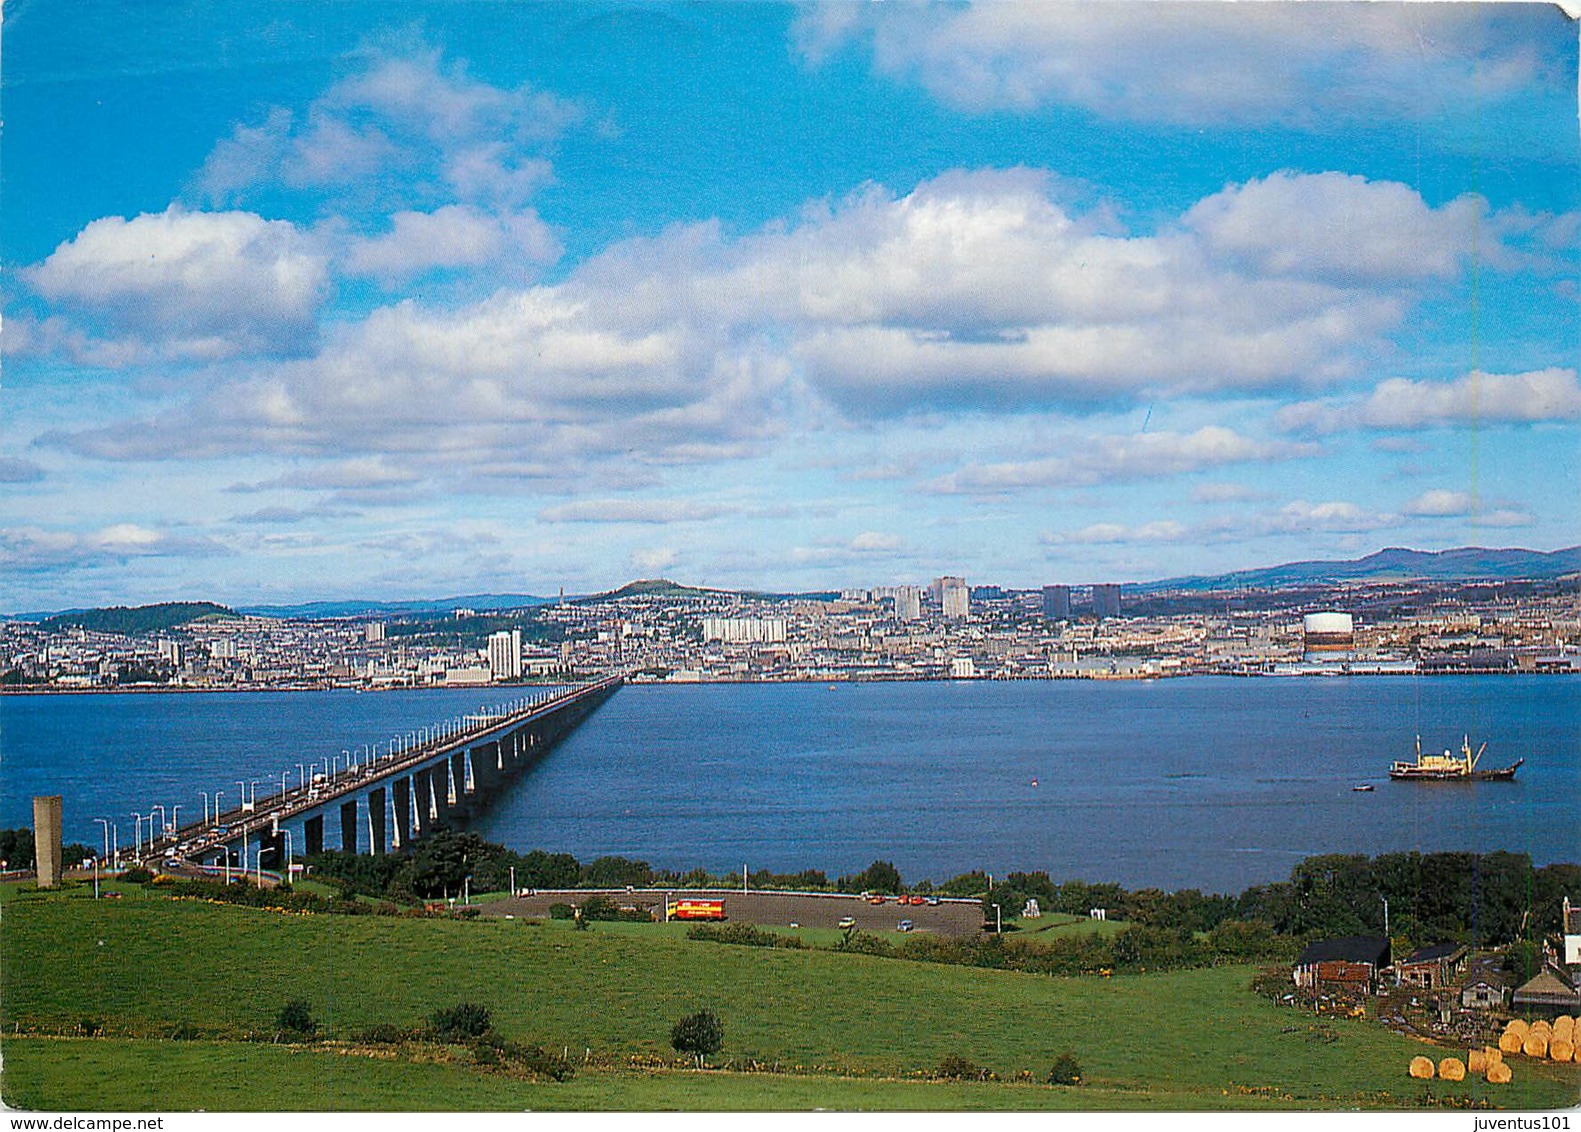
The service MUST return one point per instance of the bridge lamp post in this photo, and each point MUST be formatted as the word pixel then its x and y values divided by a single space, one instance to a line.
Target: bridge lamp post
pixel 138 832
pixel 174 825
pixel 163 823
pixel 205 794
pixel 217 811
pixel 105 822
pixel 285 776
pixel 253 794
pixel 286 833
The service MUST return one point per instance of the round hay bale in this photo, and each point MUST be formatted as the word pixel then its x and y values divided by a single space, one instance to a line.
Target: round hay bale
pixel 1452 1069
pixel 1561 1050
pixel 1476 1061
pixel 1511 1042
pixel 1517 1026
pixel 1535 1045
pixel 1499 1074
pixel 1494 1054
pixel 1564 1029
pixel 1541 1026
pixel 1422 1067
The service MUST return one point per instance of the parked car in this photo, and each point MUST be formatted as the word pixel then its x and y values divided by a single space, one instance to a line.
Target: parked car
pixel 847 922
pixel 905 926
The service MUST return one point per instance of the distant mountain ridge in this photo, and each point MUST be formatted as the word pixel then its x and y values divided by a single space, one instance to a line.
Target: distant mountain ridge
pixel 355 608
pixel 1463 564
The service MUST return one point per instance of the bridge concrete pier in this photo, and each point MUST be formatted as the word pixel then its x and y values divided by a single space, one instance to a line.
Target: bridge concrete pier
pixel 348 826
pixel 376 827
pixel 401 826
pixel 313 835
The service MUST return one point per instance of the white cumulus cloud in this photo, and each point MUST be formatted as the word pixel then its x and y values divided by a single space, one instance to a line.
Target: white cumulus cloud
pixel 185 284
pixel 1477 398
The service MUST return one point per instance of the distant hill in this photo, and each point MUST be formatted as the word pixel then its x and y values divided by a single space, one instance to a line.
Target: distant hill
pixel 135 620
pixel 651 587
pixel 354 608
pixel 1463 564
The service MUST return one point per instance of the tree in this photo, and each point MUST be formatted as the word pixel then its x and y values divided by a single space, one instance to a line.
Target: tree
pixel 1066 1070
pixel 461 1022
pixel 700 1034
pixel 880 876
pixel 295 1019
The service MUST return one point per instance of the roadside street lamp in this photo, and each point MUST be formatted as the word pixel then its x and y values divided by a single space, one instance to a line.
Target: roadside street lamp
pixel 286 833
pixel 105 822
pixel 999 927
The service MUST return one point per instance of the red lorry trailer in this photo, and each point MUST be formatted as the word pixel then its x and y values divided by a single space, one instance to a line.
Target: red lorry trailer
pixel 690 909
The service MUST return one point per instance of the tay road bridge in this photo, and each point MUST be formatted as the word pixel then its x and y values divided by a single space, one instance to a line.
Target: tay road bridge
pixel 382 802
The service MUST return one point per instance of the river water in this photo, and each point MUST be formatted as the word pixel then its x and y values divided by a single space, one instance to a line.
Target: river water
pixel 1215 783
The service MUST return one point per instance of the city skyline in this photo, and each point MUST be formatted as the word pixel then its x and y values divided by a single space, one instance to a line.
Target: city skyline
pixel 315 303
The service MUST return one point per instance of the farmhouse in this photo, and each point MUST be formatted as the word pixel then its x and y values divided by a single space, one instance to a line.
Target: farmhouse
pixel 1486 985
pixel 1348 963
pixel 1551 992
pixel 1431 968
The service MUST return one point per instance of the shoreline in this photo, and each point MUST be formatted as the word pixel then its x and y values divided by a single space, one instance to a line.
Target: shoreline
pixel 12 690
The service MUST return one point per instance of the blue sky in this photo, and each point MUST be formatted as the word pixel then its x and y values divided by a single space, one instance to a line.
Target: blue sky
pixel 314 301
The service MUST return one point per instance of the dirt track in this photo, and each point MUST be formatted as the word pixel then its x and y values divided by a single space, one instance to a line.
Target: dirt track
pixel 771 909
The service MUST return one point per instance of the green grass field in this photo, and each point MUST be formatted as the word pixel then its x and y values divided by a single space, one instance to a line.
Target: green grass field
pixel 140 967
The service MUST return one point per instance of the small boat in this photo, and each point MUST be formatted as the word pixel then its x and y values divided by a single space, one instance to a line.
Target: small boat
pixel 1364 788
pixel 1452 768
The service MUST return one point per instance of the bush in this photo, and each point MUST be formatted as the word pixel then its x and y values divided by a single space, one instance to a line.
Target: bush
pixel 701 1034
pixel 959 1068
pixel 603 908
pixel 562 912
pixel 136 876
pixel 461 1022
pixel 382 1034
pixel 1066 1070
pixel 89 1027
pixel 530 1059
pixel 296 1019
pixel 745 934
pixel 184 1032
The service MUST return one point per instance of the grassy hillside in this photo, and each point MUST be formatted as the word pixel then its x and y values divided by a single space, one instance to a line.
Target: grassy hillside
pixel 138 968
pixel 136 620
